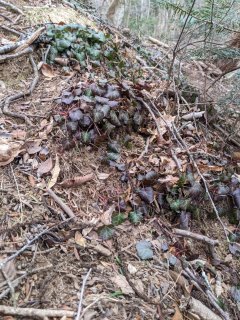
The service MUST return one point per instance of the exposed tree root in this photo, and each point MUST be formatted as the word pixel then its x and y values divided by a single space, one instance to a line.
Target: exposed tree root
pixel 6 57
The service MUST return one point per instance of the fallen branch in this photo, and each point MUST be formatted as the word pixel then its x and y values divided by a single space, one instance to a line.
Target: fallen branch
pixel 33 37
pixel 22 44
pixel 31 312
pixel 78 316
pixel 10 47
pixel 13 31
pixel 10 6
pixel 196 236
pixel 6 57
pixel 59 201
pixel 14 97
pixel 159 43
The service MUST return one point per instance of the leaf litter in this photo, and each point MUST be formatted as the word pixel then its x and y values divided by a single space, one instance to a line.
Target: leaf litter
pixel 95 125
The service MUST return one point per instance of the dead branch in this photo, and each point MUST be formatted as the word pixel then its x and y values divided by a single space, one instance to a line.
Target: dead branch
pixel 59 201
pixel 5 17
pixel 10 47
pixel 31 312
pixel 14 97
pixel 6 57
pixel 10 6
pixel 159 43
pixel 13 31
pixel 33 37
pixel 196 236
pixel 78 316
pixel 22 44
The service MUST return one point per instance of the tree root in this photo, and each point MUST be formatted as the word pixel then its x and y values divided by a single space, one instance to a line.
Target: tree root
pixel 6 57
pixel 13 31
pixel 14 97
pixel 10 6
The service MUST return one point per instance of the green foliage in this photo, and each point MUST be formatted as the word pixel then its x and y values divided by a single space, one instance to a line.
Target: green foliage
pixel 75 41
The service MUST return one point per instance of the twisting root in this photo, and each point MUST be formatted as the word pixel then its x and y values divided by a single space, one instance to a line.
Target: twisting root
pixel 16 96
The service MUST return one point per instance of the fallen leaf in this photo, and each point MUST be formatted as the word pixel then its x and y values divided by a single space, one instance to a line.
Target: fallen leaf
pixel 106 217
pixel 75 182
pixel 103 176
pixel 9 270
pixel 80 240
pixel 131 269
pixel 146 194
pixel 55 173
pixel 47 71
pixel 8 151
pixel 45 167
pixel 236 155
pixel 43 153
pixel 121 282
pixel 169 180
pixel 177 314
pixel 47 129
pixel 19 134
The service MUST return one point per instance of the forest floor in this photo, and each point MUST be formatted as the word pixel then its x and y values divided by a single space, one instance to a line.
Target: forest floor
pixel 119 199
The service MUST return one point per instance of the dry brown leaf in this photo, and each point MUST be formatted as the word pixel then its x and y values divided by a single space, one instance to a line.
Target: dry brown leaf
pixel 45 167
pixel 47 129
pixel 106 217
pixel 55 173
pixel 9 270
pixel 19 134
pixel 165 121
pixel 121 282
pixel 206 168
pixel 31 179
pixel 80 240
pixel 236 156
pixel 8 151
pixel 47 70
pixel 177 315
pixel 168 164
pixel 75 182
pixel 169 180
pixel 179 279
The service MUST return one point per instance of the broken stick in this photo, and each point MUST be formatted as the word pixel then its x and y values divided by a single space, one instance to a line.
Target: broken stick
pixel 33 313
pixel 196 236
pixel 63 205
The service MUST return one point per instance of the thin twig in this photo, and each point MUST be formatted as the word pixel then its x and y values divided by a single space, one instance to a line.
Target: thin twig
pixel 63 205
pixel 145 149
pixel 33 313
pixel 13 31
pixel 196 236
pixel 81 295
